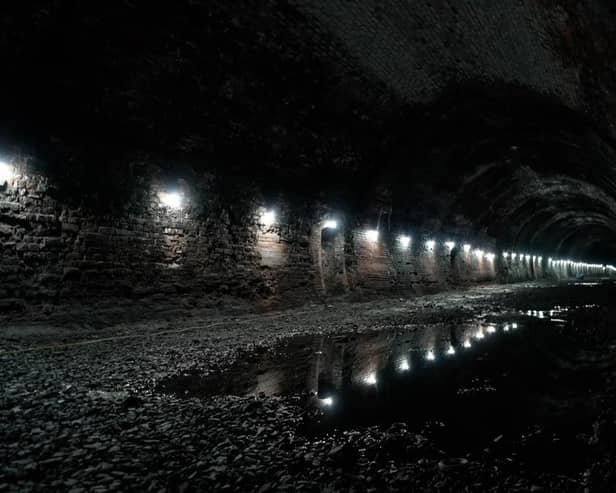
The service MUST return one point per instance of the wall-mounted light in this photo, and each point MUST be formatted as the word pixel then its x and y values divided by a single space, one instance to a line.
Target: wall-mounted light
pixel 467 343
pixel 430 244
pixel 478 253
pixel 372 235
pixel 450 245
pixel 327 401
pixel 404 365
pixel 527 257
pixel 268 217
pixel 505 254
pixel 330 224
pixel 451 350
pixel 6 173
pixel 172 200
pixel 370 379
pixel 430 356
pixel 466 248
pixel 404 241
pixel 490 257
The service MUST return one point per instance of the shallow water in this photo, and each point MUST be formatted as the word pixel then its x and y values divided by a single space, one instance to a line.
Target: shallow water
pixel 471 385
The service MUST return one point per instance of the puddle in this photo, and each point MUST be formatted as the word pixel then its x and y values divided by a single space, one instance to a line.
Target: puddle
pixel 328 365
pixel 468 385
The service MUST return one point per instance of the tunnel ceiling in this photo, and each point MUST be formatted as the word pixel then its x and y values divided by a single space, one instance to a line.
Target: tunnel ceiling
pixel 497 115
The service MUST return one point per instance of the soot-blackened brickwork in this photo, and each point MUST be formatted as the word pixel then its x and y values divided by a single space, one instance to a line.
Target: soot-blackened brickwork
pixel 54 251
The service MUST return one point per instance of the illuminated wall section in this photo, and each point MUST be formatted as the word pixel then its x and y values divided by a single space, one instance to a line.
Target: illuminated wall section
pixel 328 247
pixel 371 271
pixel 177 238
pixel 271 248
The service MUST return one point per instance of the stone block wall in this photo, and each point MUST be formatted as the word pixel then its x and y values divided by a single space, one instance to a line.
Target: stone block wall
pixel 55 251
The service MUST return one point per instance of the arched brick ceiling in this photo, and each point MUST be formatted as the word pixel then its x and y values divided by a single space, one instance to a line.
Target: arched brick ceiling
pixel 490 114
pixel 531 179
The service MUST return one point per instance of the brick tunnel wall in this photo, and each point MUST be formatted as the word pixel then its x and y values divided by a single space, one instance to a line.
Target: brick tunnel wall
pixel 55 251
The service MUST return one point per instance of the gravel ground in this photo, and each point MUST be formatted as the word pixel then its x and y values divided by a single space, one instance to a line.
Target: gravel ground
pixel 79 409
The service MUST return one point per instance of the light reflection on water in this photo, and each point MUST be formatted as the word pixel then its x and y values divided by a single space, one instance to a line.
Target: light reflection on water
pixel 556 313
pixel 328 366
pixel 447 348
pixel 484 377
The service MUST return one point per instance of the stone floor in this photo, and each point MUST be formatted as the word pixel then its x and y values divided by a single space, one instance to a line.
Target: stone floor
pixel 84 410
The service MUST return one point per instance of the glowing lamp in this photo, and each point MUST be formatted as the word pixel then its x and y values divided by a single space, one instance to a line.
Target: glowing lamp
pixel 331 224
pixel 267 218
pixel 466 248
pixel 490 256
pixel 405 241
pixel 172 200
pixel 327 401
pixel 404 365
pixel 450 244
pixel 430 244
pixel 505 254
pixel 6 173
pixel 478 253
pixel 451 350
pixel 467 343
pixel 430 356
pixel 372 235
pixel 491 329
pixel 370 379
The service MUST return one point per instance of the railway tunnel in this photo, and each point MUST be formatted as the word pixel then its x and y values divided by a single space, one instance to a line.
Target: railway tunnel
pixel 276 212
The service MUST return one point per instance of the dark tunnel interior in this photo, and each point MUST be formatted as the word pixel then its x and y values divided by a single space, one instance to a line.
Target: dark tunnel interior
pixel 274 180
pixel 274 93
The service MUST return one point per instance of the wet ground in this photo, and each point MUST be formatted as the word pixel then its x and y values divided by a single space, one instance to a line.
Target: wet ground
pixel 503 388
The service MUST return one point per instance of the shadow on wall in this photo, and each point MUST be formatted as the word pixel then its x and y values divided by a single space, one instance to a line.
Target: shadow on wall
pixel 161 245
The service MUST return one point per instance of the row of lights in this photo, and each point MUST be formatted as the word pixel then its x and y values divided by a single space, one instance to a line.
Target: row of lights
pixel 578 265
pixel 522 256
pixel 555 263
pixel 175 200
pixel 171 200
pixel 372 235
pixel 268 217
